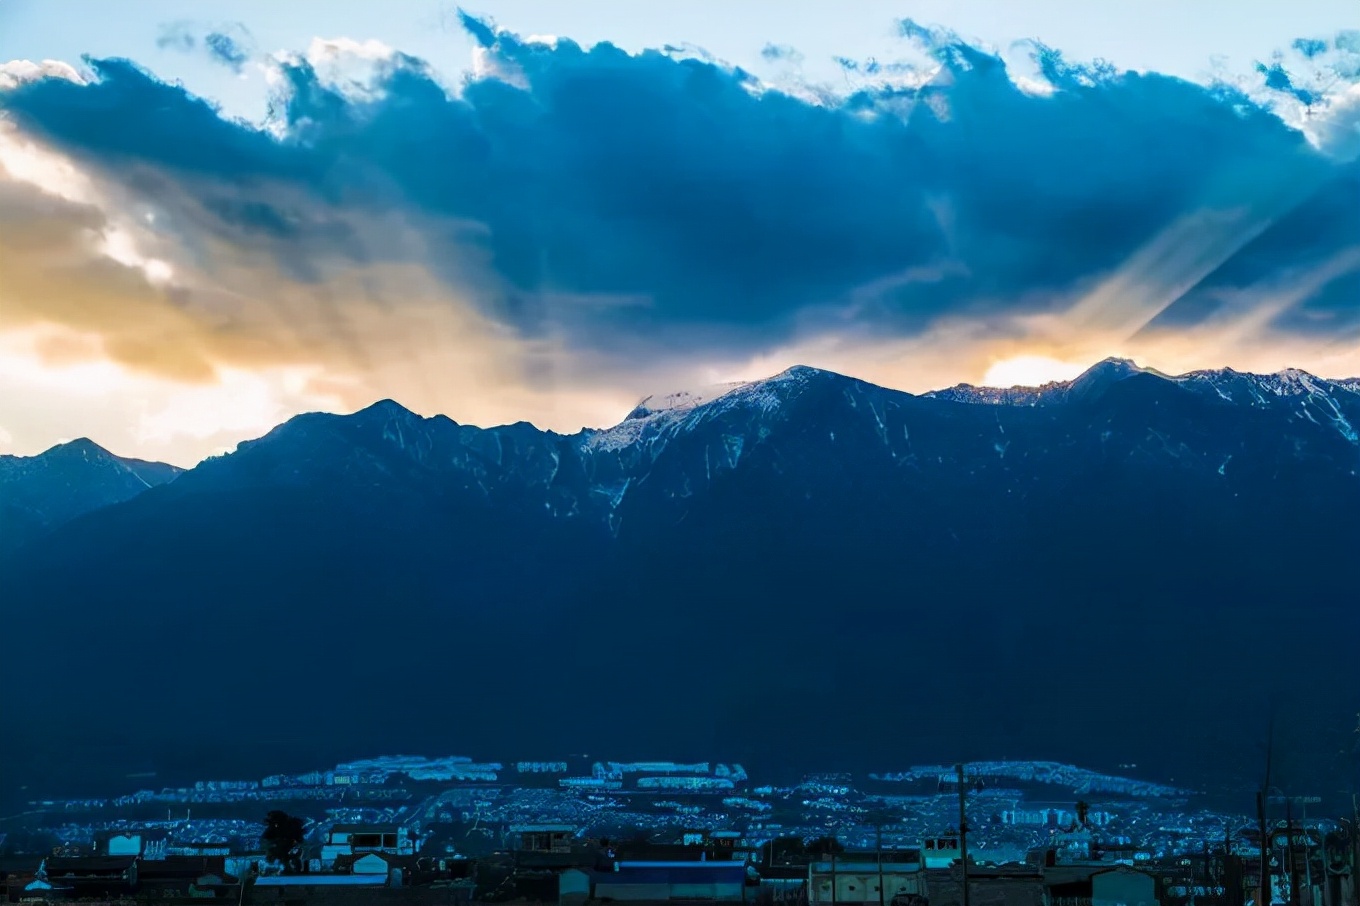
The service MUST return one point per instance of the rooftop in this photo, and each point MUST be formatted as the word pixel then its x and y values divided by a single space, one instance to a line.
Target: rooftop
pixel 320 880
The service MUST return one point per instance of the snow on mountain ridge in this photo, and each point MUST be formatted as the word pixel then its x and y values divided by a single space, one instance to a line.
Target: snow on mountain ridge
pixel 744 410
pixel 680 400
pixel 686 408
pixel 1320 400
pixel 1287 382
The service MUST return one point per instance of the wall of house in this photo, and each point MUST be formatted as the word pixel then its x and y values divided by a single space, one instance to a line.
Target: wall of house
pixel 573 883
pixel 369 865
pixel 862 886
pixel 125 845
pixel 942 889
pixel 366 896
pixel 720 881
pixel 1123 888
pixel 660 892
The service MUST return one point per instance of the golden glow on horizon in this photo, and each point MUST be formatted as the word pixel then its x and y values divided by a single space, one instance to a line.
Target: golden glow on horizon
pixel 110 329
pixel 1029 371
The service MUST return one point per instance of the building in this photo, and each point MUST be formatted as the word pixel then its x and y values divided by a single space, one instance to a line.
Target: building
pixel 86 877
pixel 198 849
pixel 291 888
pixel 396 869
pixel 182 876
pixel 1054 816
pixel 729 842
pixel 544 838
pixel 852 878
pixel 1010 885
pixel 16 873
pixel 149 844
pixel 686 783
pixel 353 840
pixel 658 882
pixel 1093 885
pixel 783 884
pixel 940 852
pixel 243 865
pixel 124 844
pixel 1123 886
pixel 573 887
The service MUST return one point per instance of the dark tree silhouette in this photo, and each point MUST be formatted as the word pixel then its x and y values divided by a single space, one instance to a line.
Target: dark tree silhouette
pixel 782 850
pixel 282 839
pixel 824 846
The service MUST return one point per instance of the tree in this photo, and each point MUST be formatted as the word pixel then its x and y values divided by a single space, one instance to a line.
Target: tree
pixel 282 839
pixel 825 846
pixel 782 850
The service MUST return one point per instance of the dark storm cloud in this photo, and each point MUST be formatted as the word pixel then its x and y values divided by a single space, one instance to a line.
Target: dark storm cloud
pixel 575 176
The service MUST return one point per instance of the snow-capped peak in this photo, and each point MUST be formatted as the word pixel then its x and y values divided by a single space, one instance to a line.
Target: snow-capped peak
pixel 685 400
pixel 680 400
pixel 666 412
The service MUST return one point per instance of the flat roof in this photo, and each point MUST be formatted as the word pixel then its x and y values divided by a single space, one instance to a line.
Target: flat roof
pixel 321 881
pixel 713 863
pixel 859 865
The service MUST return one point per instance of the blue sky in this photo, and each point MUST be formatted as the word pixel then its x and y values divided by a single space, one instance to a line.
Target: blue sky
pixel 1171 36
pixel 213 222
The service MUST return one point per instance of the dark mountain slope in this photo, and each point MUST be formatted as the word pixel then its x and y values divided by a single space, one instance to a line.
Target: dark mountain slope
pixel 40 493
pixel 806 570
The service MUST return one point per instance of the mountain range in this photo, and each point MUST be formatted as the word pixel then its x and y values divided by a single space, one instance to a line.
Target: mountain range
pixel 41 493
pixel 809 569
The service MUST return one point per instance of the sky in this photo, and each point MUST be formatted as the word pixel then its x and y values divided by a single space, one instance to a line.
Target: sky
pixel 541 211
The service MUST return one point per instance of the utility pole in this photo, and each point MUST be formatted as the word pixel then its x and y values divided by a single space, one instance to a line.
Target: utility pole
pixel 880 861
pixel 1289 851
pixel 245 875
pixel 963 834
pixel 1355 841
pixel 1226 873
pixel 833 872
pixel 1264 895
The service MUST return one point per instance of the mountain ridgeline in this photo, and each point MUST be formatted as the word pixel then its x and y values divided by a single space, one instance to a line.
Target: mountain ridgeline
pixel 41 493
pixel 808 570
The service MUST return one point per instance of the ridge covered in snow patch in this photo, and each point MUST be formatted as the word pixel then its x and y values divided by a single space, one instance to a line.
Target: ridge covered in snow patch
pixel 664 414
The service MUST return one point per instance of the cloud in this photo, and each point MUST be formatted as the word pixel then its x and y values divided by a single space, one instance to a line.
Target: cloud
pixel 16 72
pixel 781 53
pixel 1309 47
pixel 1277 79
pixel 226 50
pixel 564 219
pixel 180 35
pixel 231 45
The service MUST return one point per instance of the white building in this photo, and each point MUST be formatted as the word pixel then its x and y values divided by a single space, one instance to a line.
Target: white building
pixel 356 840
